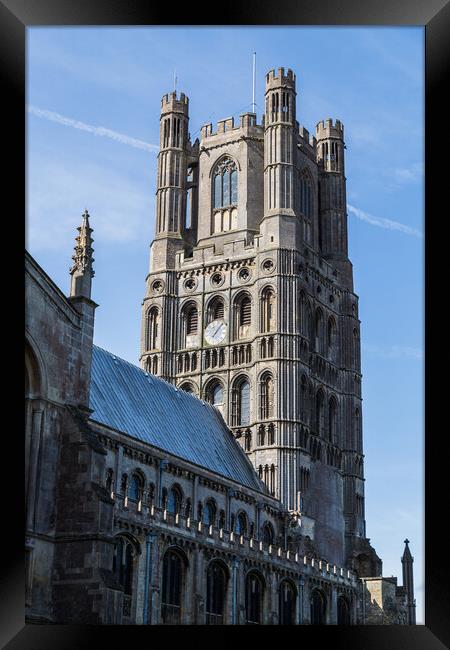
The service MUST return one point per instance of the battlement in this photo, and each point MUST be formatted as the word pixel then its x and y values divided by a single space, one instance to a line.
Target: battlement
pixel 306 136
pixel 170 103
pixel 279 79
pixel 227 124
pixel 328 129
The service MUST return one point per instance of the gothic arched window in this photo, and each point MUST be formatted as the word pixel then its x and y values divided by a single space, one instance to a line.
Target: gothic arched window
pixel 331 337
pixel 109 480
pixel 318 330
pixel 152 328
pixel 303 314
pixel 343 611
pixel 214 393
pixel 172 587
pixel 319 413
pixel 225 195
pixel 187 387
pixel 216 588
pixel 318 607
pixel 241 402
pixel 123 561
pixel 287 598
pixel 266 396
pixel 304 399
pixel 225 183
pixel 268 535
pixel 254 597
pixel 216 309
pixel 209 513
pixel 272 479
pixel 306 196
pixel 174 500
pixel 267 310
pixel 136 487
pixel 189 325
pixel 242 316
pixel 241 524
pixel 332 419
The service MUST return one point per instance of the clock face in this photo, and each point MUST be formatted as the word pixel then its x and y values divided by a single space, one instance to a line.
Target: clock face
pixel 215 332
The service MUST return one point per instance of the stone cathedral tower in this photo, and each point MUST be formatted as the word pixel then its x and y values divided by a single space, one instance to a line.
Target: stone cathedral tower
pixel 249 303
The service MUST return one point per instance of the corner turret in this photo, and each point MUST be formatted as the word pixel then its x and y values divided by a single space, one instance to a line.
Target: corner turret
pixel 332 232
pixel 82 271
pixel 280 225
pixel 408 583
pixel 175 148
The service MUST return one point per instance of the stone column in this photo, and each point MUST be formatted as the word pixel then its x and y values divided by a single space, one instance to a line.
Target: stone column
pixel 148 577
pixel 35 454
pixel 332 613
pixel 162 465
pixel 235 592
pixel 118 468
pixel 300 600
pixel 194 497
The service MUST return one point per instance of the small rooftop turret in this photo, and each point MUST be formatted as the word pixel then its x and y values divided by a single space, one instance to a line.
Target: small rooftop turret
pixel 279 79
pixel 82 271
pixel 170 103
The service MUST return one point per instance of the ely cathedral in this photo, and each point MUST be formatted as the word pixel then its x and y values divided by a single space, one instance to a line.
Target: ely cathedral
pixel 222 481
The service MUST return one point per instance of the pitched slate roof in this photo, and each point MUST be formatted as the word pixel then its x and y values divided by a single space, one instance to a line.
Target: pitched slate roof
pixel 128 399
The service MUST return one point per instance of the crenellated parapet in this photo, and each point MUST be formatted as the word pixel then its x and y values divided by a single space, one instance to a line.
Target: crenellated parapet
pixel 226 125
pixel 279 79
pixel 171 104
pixel 329 129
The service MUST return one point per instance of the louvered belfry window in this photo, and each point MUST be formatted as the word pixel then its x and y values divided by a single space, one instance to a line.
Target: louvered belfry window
pixel 218 310
pixel 245 312
pixel 192 321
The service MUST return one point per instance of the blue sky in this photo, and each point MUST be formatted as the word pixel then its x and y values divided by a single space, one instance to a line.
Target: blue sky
pixel 93 98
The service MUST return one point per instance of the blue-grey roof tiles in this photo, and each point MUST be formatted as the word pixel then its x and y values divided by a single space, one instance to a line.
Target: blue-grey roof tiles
pixel 126 398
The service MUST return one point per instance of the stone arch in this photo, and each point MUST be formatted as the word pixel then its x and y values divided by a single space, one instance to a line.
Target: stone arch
pixel 214 392
pixel 318 607
pixel 215 307
pixel 189 387
pixel 242 314
pixel 267 309
pixel 255 588
pixel 287 600
pixel 35 370
pixel 175 565
pixel 222 159
pixel 240 400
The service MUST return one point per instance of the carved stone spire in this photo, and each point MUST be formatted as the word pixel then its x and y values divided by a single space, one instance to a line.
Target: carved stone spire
pixel 408 583
pixel 82 271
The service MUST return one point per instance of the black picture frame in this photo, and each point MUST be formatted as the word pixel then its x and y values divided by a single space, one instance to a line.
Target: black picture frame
pixel 15 17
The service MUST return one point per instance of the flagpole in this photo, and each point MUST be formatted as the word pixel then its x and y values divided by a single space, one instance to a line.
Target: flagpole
pixel 254 73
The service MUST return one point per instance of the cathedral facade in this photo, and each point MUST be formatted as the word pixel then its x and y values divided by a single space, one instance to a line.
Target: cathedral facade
pixel 222 482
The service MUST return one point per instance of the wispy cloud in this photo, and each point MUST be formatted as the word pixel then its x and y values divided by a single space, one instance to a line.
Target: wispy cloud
pixel 381 222
pixel 393 351
pixel 95 130
pixel 58 191
pixel 411 174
